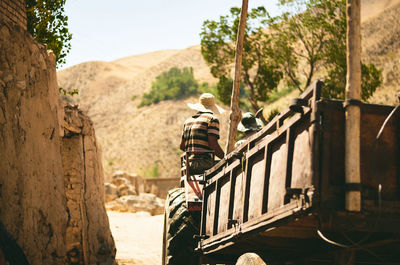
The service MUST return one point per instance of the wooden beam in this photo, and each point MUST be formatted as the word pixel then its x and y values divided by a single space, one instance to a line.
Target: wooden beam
pixel 235 114
pixel 353 113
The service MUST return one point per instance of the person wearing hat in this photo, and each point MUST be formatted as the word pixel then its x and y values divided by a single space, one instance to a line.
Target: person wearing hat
pixel 201 133
pixel 249 125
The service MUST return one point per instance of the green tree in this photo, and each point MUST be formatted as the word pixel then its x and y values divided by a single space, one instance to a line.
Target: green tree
pixel 307 41
pixel 48 24
pixel 173 84
pixel 314 32
pixel 259 74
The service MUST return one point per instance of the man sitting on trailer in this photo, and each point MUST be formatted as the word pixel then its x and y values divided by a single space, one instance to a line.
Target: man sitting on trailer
pixel 201 133
pixel 249 125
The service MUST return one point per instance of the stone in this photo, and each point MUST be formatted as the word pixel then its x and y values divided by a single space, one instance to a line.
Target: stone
pixel 119 174
pixel 124 190
pixel 120 181
pixel 139 183
pixel 144 202
pixel 250 259
pixel 110 191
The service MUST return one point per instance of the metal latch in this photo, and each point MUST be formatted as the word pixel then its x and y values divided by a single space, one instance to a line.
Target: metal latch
pixel 201 236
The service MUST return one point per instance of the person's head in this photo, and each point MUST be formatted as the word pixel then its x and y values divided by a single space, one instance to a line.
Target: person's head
pixel 249 123
pixel 206 103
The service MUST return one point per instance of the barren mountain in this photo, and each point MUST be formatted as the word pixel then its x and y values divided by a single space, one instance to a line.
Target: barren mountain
pixel 135 139
pixel 381 46
pixel 141 139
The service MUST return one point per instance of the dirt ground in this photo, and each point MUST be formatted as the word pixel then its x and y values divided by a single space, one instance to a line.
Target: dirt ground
pixel 138 237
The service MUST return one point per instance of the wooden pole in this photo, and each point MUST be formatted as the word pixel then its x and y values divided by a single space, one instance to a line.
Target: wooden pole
pixel 353 113
pixel 235 114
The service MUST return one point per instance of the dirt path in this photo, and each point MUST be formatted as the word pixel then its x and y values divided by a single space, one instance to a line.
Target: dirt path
pixel 138 237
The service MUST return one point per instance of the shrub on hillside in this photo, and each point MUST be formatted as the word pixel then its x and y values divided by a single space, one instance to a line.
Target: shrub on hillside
pixel 173 84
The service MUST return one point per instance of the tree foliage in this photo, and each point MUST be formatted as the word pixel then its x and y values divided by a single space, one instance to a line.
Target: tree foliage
pixel 306 42
pixel 223 92
pixel 48 24
pixel 317 35
pixel 173 84
pixel 259 74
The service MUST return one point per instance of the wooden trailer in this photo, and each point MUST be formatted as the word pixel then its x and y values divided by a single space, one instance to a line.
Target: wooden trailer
pixel 282 193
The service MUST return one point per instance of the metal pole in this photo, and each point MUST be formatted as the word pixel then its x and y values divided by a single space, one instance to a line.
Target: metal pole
pixel 353 113
pixel 235 114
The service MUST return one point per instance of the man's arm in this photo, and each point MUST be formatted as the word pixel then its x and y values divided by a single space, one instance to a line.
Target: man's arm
pixel 214 145
pixel 182 145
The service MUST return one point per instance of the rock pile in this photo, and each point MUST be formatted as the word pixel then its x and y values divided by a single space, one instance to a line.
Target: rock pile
pixel 130 193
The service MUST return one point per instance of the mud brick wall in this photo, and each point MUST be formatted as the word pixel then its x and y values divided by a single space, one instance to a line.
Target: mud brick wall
pixel 13 11
pixel 88 237
pixel 51 203
pixel 32 203
pixel 162 185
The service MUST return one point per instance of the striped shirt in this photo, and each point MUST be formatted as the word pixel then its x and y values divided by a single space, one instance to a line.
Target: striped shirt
pixel 197 129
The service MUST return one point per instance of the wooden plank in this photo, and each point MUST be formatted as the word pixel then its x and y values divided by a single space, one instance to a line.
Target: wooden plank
pixel 232 182
pixel 301 167
pixel 216 207
pixel 224 197
pixel 267 173
pixel 210 200
pixel 260 222
pixel 289 160
pixel 246 194
pixel 234 164
pixel 379 166
pixel 332 164
pixel 277 189
pixel 217 176
pixel 257 167
pixel 238 201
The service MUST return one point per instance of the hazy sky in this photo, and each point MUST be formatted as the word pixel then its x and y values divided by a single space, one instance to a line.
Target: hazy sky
pixel 106 30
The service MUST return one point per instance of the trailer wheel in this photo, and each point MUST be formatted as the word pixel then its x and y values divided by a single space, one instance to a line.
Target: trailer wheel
pixel 180 226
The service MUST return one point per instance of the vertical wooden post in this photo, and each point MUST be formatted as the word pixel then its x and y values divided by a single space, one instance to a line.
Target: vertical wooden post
pixel 353 113
pixel 235 114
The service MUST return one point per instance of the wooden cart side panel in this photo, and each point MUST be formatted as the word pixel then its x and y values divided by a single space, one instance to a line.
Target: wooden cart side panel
pixel 251 194
pixel 209 214
pixel 262 186
pixel 238 199
pixel 257 173
pixel 301 167
pixel 332 158
pixel 223 212
pixel 383 159
pixel 277 180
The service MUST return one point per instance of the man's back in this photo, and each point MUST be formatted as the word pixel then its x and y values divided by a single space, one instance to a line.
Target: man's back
pixel 201 133
pixel 196 131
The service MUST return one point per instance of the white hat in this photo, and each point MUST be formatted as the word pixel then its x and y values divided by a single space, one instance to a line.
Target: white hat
pixel 206 102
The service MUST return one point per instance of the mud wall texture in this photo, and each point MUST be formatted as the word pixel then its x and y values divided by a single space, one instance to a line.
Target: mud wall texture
pixel 13 11
pixel 162 185
pixel 37 188
pixel 88 235
pixel 32 204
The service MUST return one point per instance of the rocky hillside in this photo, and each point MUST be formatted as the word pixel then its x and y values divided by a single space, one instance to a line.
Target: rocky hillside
pixel 381 46
pixel 134 139
pixel 146 139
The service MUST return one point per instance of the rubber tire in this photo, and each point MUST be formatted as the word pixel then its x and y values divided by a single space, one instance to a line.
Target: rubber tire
pixel 180 226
